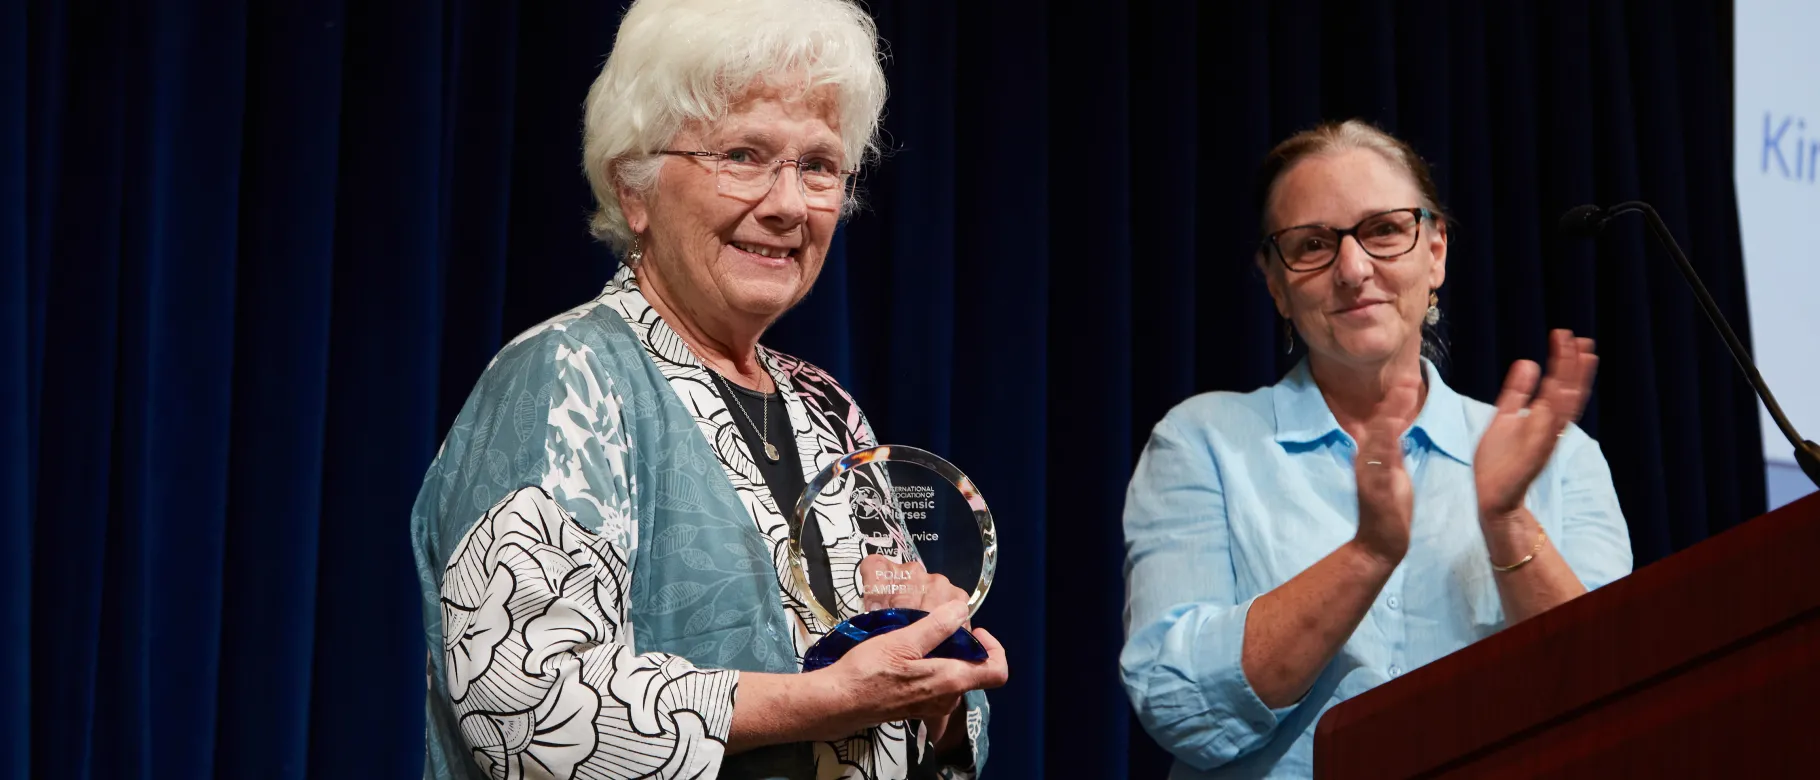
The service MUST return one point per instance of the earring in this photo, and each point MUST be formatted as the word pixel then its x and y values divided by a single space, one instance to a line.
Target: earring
pixel 1288 336
pixel 1434 309
pixel 636 253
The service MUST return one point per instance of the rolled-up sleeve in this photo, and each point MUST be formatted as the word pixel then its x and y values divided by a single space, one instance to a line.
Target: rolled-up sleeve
pixel 1595 540
pixel 1184 622
pixel 540 672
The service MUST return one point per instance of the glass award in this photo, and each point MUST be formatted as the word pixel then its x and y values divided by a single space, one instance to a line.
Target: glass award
pixel 883 535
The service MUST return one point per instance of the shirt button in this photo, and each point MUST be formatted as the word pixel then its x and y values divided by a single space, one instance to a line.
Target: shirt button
pixel 1393 602
pixel 1396 671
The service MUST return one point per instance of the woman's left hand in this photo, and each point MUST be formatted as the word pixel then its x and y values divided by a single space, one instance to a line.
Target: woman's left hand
pixel 1522 436
pixel 885 583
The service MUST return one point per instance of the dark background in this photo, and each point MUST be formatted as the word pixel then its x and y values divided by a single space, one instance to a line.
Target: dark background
pixel 253 256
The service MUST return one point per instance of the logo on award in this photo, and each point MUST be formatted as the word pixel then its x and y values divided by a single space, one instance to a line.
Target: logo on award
pixel 868 504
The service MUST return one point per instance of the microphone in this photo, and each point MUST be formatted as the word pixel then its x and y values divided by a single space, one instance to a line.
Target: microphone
pixel 1586 222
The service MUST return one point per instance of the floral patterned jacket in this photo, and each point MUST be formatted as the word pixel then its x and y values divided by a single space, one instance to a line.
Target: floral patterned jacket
pixel 599 559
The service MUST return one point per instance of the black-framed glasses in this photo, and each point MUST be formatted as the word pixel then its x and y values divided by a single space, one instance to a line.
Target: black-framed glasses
pixel 1383 235
pixel 747 175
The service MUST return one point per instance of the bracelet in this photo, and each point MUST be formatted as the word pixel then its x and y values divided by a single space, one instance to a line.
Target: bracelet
pixel 1540 536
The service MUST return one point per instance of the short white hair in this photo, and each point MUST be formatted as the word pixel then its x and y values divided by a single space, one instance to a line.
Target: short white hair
pixel 679 60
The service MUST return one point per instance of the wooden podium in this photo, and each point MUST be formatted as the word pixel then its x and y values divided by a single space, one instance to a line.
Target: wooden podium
pixel 1705 664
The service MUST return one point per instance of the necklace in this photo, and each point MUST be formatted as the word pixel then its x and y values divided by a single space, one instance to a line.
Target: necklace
pixel 764 429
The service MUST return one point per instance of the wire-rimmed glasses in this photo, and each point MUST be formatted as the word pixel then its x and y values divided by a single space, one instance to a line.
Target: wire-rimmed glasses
pixel 749 176
pixel 1383 235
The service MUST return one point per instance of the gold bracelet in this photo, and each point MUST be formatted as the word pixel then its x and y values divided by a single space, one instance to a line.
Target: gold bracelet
pixel 1540 535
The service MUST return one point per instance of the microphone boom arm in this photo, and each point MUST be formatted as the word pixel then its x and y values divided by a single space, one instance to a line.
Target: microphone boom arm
pixel 1807 454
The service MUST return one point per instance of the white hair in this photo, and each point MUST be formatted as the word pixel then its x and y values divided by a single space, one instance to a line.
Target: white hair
pixel 679 60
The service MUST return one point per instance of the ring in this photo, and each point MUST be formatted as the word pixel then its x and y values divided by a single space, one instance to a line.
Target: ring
pixel 1373 463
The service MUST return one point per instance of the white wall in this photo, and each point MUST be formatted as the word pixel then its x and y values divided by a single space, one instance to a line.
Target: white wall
pixel 1777 60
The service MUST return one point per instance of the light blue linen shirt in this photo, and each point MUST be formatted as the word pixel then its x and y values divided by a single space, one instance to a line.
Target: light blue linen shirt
pixel 1237 493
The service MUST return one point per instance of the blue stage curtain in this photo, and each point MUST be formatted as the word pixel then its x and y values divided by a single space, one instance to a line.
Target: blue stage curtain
pixel 253 256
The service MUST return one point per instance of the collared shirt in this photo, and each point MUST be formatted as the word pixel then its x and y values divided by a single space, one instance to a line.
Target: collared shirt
pixel 1237 493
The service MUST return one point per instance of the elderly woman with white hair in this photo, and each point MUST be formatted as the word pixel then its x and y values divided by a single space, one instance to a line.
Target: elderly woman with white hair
pixel 601 536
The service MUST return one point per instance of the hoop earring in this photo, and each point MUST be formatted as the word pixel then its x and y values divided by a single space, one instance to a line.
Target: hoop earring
pixel 1434 309
pixel 1288 336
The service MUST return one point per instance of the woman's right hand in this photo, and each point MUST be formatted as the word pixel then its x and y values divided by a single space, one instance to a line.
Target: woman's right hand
pixel 1386 497
pixel 886 678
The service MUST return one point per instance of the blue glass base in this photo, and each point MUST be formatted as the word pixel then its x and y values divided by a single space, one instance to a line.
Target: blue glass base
pixel 962 646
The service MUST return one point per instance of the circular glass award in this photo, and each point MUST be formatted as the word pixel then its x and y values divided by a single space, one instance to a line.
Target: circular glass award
pixel 881 537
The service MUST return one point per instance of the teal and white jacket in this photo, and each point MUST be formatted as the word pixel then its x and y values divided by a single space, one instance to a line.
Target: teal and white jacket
pixel 599 560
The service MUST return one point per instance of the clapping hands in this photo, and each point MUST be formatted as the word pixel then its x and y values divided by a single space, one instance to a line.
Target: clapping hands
pixel 1529 422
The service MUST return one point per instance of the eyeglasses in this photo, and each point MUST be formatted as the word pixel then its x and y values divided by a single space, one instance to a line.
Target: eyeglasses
pixel 1314 247
pixel 746 175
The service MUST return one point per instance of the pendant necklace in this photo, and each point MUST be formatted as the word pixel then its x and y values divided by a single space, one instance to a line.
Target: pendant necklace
pixel 764 428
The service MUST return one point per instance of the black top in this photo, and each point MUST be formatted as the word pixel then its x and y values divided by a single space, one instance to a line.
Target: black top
pixel 785 477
